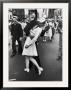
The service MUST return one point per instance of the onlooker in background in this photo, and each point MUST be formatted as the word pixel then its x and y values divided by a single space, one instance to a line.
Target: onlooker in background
pixel 53 29
pixel 60 38
pixel 50 30
pixel 17 34
pixel 46 31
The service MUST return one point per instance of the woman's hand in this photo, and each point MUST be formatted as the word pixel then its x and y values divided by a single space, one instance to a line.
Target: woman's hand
pixel 26 46
pixel 31 36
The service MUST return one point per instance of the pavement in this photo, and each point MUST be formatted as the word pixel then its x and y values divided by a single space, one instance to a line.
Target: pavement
pixel 48 52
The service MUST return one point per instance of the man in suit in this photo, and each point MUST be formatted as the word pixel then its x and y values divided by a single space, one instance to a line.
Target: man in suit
pixel 17 34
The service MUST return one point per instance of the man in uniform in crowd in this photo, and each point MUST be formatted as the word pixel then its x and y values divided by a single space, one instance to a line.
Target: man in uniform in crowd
pixel 60 38
pixel 17 34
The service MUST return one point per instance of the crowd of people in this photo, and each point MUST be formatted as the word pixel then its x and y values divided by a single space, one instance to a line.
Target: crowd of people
pixel 31 30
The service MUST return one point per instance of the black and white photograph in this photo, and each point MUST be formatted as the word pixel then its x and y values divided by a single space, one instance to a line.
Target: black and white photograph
pixel 35 44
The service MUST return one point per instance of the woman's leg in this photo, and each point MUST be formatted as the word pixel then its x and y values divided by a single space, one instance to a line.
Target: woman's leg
pixel 27 63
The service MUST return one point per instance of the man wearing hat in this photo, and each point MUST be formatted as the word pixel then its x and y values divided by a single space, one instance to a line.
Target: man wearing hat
pixel 17 34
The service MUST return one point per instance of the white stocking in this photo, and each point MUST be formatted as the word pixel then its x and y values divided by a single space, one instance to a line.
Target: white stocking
pixel 27 62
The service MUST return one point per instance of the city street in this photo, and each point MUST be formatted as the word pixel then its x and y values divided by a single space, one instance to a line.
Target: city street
pixel 48 52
